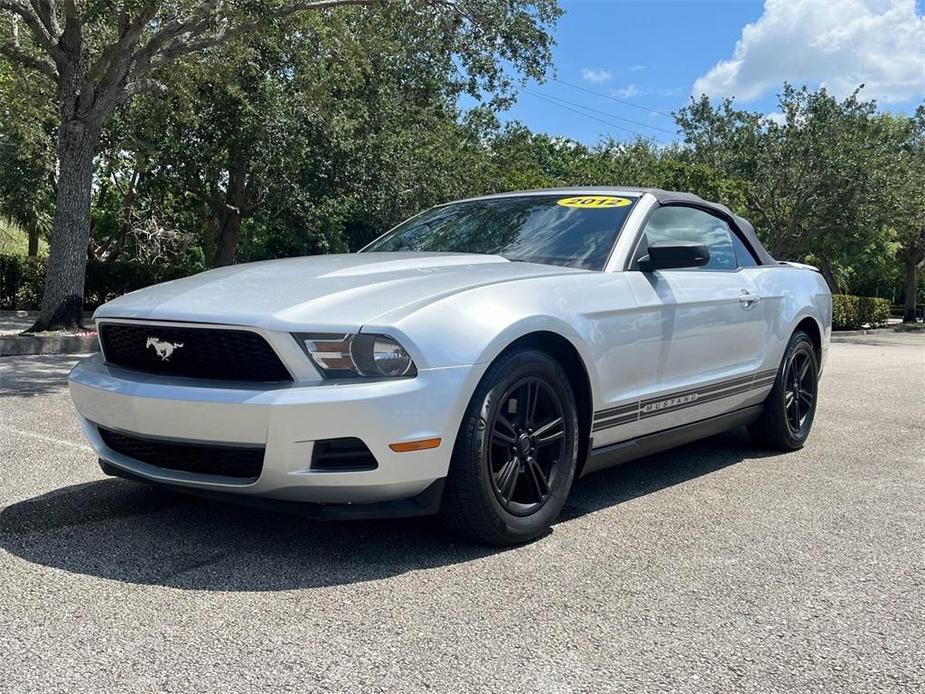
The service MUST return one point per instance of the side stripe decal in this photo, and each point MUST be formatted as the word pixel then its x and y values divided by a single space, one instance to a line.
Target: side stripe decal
pixel 681 400
pixel 614 411
pixel 607 423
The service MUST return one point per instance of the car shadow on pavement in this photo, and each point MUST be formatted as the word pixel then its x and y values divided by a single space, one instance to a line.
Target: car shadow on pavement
pixel 34 375
pixel 131 532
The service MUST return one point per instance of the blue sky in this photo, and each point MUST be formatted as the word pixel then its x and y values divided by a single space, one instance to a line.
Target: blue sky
pixel 653 54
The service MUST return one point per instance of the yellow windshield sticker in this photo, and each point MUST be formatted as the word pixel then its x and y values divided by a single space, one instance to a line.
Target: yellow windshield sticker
pixel 595 202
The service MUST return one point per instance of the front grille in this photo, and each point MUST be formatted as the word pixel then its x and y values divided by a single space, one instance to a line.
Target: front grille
pixel 342 455
pixel 210 353
pixel 202 459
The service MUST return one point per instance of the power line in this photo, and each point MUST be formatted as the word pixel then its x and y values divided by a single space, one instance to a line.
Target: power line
pixel 604 113
pixel 612 98
pixel 600 120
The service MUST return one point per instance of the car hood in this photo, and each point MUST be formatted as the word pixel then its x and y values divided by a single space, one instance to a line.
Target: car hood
pixel 330 292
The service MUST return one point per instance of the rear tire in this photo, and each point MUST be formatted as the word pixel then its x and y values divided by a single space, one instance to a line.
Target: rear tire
pixel 790 407
pixel 516 452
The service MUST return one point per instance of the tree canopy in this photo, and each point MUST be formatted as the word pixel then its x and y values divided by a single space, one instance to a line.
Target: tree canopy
pixel 100 55
pixel 234 131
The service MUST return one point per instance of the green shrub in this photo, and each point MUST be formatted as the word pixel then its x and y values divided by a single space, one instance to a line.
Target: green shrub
pixel 11 272
pixel 32 282
pixel 846 313
pixel 22 280
pixel 855 312
pixel 875 312
pixel 106 281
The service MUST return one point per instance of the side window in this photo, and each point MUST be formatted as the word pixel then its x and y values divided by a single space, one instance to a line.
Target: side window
pixel 689 224
pixel 743 256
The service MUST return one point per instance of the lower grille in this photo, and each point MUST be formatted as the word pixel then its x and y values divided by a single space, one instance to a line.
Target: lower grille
pixel 342 455
pixel 194 352
pixel 244 463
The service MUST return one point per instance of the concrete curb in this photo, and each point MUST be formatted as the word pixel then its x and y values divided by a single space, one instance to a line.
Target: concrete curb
pixel 867 331
pixel 25 345
pixel 874 331
pixel 32 315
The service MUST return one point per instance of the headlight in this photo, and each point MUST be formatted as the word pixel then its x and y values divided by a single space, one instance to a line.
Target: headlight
pixel 354 356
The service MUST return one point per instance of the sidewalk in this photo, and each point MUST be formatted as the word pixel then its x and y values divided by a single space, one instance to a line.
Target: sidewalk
pixel 12 323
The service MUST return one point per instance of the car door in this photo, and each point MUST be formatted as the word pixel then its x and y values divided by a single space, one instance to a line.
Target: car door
pixel 704 328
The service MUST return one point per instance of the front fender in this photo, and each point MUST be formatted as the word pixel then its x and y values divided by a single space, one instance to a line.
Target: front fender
pixel 474 327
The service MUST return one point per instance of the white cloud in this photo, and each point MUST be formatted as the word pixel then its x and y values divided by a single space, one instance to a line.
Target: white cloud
pixel 596 75
pixel 627 92
pixel 838 45
pixel 636 68
pixel 665 91
pixel 776 117
pixel 631 90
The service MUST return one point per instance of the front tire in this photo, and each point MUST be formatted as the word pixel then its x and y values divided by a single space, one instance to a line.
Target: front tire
pixel 790 407
pixel 516 452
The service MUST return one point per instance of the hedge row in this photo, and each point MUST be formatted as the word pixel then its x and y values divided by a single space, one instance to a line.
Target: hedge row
pixel 22 280
pixel 855 312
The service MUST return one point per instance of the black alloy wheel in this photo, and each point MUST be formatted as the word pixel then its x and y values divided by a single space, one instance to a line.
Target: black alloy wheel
pixel 799 392
pixel 516 452
pixel 527 445
pixel 789 409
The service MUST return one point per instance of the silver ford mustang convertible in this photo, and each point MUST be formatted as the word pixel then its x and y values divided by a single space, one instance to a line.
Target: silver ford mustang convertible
pixel 472 362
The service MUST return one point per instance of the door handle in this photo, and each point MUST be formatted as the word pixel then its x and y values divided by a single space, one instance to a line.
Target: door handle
pixel 747 299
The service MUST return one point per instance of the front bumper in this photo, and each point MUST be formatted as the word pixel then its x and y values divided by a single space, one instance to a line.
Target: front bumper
pixel 286 420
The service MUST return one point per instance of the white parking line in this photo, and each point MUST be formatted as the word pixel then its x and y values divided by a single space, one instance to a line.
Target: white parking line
pixel 49 439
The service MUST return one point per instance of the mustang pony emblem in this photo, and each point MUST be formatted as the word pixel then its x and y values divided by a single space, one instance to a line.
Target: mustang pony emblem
pixel 164 349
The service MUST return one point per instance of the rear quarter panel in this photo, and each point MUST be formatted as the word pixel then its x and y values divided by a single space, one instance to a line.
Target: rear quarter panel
pixel 792 294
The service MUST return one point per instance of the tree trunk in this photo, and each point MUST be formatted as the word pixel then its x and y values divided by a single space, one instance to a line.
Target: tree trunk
pixel 911 289
pixel 62 302
pixel 33 242
pixel 228 234
pixel 115 245
pixel 208 239
pixel 230 227
pixel 912 255
pixel 826 269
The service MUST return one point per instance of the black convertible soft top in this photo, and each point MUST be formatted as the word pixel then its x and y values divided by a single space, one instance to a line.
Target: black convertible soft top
pixel 666 197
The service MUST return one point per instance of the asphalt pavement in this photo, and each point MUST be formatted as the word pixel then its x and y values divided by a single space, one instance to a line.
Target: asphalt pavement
pixel 711 568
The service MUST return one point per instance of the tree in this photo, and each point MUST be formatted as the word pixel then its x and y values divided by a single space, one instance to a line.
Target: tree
pixel 810 174
pixel 101 54
pixel 365 116
pixel 28 159
pixel 909 168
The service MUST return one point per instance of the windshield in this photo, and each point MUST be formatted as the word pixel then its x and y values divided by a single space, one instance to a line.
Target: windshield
pixel 571 230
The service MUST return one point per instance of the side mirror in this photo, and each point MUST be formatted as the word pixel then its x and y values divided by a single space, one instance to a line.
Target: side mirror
pixel 665 255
